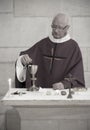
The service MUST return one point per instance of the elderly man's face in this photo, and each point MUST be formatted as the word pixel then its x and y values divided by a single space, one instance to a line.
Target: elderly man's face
pixel 58 29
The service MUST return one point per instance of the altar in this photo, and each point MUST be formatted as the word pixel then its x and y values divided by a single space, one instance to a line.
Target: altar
pixel 49 109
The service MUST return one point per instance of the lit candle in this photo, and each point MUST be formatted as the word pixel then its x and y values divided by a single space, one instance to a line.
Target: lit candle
pixel 9 82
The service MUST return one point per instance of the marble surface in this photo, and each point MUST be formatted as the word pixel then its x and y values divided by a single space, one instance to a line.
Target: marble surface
pixel 46 97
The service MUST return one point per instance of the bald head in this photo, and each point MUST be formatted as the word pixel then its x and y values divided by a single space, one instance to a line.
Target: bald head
pixel 60 25
pixel 61 19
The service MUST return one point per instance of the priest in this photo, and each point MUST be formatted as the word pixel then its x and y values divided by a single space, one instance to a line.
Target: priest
pixel 58 57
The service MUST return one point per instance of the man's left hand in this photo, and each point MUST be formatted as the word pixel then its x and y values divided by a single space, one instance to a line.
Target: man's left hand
pixel 58 86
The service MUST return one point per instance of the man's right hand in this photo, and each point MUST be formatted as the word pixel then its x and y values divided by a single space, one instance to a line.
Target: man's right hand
pixel 26 60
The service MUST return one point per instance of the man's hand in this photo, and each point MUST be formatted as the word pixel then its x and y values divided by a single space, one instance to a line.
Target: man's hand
pixel 58 86
pixel 25 60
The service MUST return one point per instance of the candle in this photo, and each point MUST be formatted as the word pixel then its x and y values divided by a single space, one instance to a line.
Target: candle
pixel 9 82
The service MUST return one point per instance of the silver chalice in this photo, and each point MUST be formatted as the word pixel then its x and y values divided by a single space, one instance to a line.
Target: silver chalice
pixel 33 70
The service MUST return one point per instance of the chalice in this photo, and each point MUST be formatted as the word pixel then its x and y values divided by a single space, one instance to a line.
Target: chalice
pixel 33 70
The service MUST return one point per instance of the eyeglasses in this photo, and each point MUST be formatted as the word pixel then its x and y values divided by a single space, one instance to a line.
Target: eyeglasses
pixel 58 27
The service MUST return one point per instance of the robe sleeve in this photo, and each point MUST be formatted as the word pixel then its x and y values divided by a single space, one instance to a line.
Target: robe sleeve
pixel 75 70
pixel 20 71
pixel 19 83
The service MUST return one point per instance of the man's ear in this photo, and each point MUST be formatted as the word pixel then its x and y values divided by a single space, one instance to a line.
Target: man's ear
pixel 67 27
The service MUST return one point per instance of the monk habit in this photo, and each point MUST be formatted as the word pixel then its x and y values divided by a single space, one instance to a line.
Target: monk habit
pixel 56 62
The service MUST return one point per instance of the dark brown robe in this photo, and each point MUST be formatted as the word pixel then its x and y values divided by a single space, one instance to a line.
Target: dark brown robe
pixel 56 61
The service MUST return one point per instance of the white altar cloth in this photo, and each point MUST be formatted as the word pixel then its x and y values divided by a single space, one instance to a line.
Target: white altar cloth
pixel 43 96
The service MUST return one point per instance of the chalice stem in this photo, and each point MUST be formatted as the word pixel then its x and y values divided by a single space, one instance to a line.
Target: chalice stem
pixel 33 81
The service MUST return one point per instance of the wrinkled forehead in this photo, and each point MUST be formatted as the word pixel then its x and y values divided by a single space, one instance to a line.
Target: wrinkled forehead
pixel 61 20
